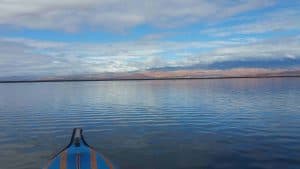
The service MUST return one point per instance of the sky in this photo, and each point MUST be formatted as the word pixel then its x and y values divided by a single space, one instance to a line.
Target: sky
pixel 74 37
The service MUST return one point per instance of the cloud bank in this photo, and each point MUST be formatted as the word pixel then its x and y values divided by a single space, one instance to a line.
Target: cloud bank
pixel 29 57
pixel 119 15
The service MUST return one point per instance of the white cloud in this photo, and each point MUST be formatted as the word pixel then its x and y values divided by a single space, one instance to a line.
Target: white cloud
pixel 118 15
pixel 274 49
pixel 280 20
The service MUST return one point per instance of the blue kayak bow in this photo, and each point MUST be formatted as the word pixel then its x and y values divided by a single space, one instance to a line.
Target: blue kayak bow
pixel 78 155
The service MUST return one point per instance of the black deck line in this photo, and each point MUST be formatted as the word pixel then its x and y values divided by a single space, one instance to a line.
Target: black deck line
pixel 71 142
pixel 146 79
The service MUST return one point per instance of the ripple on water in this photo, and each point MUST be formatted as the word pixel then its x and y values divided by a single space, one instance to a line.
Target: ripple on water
pixel 240 123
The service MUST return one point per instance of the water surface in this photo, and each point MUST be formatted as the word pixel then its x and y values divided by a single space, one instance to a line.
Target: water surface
pixel 176 124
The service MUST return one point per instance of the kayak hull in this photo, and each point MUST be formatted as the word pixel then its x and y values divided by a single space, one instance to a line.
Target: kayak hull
pixel 78 155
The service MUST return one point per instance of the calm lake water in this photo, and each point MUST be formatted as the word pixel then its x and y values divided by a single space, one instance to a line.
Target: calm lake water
pixel 176 124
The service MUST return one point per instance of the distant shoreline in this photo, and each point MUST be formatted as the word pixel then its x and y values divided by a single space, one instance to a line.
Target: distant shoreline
pixel 147 79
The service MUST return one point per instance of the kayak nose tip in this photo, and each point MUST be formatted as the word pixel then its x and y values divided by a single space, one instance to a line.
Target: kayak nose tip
pixel 77 136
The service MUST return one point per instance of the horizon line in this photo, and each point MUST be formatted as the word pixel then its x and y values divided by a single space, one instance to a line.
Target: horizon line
pixel 147 79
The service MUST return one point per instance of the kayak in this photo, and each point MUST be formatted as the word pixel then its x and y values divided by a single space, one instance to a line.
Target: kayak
pixel 78 155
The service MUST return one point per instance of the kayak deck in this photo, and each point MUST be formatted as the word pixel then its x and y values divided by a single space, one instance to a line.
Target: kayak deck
pixel 79 155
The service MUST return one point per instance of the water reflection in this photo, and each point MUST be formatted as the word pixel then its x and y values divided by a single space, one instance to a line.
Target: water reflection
pixel 240 123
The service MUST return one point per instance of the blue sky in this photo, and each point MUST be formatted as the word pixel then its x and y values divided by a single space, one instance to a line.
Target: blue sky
pixel 58 37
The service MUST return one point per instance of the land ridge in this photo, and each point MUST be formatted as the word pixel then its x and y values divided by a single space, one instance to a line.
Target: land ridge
pixel 162 75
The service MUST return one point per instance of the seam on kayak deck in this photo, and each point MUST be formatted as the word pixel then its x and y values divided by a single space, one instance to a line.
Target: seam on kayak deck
pixel 77 161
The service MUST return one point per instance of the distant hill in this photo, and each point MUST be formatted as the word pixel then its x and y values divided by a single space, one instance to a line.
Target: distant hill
pixel 158 74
